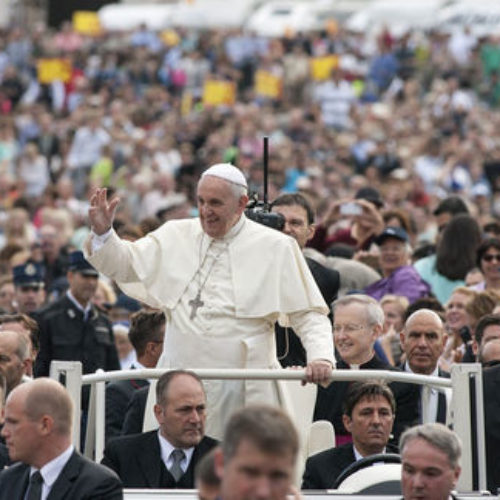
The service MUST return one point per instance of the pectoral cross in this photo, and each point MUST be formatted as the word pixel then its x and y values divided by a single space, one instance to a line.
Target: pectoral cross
pixel 195 304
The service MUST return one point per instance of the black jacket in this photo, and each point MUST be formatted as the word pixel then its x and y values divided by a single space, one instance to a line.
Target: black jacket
pixel 118 396
pixel 137 460
pixel 442 404
pixel 330 399
pixel 134 415
pixel 323 469
pixel 491 396
pixel 80 479
pixel 65 336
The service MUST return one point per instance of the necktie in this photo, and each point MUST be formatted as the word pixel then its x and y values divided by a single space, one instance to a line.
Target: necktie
pixel 176 469
pixel 35 486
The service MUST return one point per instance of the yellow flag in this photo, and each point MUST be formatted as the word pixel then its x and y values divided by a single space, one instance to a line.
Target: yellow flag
pixel 86 22
pixel 217 92
pixel 268 85
pixel 321 67
pixel 51 69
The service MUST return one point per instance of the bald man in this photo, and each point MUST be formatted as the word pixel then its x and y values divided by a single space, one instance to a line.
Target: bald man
pixel 422 340
pixel 229 280
pixel 489 354
pixel 37 431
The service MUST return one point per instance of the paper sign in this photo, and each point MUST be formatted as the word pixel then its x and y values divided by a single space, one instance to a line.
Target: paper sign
pixel 216 92
pixel 268 85
pixel 321 67
pixel 86 22
pixel 51 69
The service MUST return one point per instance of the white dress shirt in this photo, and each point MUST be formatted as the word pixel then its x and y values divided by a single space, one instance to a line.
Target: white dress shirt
pixel 51 470
pixel 166 453
pixel 432 408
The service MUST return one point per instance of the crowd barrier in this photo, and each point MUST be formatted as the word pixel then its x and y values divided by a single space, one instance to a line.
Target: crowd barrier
pixel 464 393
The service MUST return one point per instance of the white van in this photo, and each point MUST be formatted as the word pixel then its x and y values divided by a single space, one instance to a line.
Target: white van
pixel 482 17
pixel 128 16
pixel 397 15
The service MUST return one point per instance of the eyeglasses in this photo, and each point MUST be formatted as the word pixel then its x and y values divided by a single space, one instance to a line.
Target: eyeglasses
pixel 491 258
pixel 349 328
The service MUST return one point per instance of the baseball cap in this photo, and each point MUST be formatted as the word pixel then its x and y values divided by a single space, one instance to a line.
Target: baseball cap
pixel 392 232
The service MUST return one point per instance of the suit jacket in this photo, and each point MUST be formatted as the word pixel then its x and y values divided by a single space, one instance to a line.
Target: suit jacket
pixel 289 349
pixel 4 456
pixel 491 397
pixel 137 460
pixel 118 396
pixel 80 479
pixel 442 405
pixel 134 415
pixel 330 399
pixel 323 469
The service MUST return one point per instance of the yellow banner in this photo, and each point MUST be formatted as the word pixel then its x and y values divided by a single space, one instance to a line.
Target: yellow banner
pixel 53 69
pixel 170 38
pixel 321 67
pixel 216 93
pixel 268 85
pixel 86 22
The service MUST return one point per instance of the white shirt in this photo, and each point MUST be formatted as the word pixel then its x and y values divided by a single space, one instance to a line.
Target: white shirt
pixel 358 456
pixel 85 310
pixel 166 453
pixel 433 399
pixel 51 470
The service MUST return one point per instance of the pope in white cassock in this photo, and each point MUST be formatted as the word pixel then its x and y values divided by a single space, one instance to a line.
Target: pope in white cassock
pixel 223 281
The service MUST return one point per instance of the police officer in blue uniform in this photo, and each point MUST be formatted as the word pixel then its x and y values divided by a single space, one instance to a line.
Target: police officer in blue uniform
pixel 73 329
pixel 29 294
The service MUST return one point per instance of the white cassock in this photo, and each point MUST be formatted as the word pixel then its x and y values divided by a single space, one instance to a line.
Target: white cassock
pixel 248 280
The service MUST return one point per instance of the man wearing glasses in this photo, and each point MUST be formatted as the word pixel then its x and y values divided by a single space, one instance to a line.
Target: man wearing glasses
pixel 358 321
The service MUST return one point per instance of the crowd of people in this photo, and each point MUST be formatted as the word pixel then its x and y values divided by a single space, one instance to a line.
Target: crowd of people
pixel 124 240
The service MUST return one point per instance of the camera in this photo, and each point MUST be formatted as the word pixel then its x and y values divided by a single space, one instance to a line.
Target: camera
pixel 465 334
pixel 259 212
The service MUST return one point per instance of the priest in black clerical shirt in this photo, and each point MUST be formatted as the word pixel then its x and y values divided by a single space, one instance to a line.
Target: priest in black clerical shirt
pixel 357 322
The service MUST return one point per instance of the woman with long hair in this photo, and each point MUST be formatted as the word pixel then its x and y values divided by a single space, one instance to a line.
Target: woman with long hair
pixel 455 257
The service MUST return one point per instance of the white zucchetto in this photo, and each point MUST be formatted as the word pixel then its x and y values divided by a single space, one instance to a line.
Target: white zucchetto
pixel 227 172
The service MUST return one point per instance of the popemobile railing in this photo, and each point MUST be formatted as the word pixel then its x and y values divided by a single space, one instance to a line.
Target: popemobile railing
pixel 465 408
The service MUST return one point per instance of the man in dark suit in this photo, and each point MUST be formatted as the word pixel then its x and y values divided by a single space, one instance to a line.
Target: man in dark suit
pixel 358 321
pixel 491 398
pixel 147 329
pixel 369 410
pixel 165 458
pixel 422 340
pixel 430 458
pixel 73 329
pixel 299 224
pixel 37 430
pixel 134 415
pixel 258 455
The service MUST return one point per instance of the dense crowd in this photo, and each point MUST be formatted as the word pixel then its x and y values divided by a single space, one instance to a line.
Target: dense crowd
pixel 393 143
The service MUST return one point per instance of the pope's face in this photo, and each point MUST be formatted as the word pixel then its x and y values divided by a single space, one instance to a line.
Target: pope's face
pixel 219 206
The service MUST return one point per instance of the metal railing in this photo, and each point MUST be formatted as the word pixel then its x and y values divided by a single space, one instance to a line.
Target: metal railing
pixel 465 405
